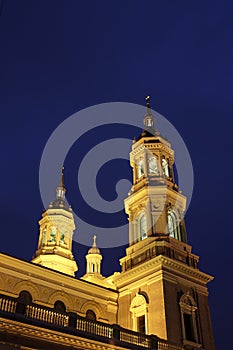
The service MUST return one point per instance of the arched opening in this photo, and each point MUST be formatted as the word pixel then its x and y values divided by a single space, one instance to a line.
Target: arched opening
pixel 138 308
pixel 53 234
pixel 140 168
pixel 59 306
pixel 90 315
pixel 44 234
pixel 174 227
pixel 188 311
pixel 153 167
pixel 142 229
pixel 165 167
pixel 23 300
pixel 25 297
pixel 62 237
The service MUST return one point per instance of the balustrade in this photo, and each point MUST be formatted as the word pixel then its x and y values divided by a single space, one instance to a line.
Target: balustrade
pixel 135 338
pixel 94 327
pixel 46 315
pixel 119 335
pixel 164 345
pixel 7 304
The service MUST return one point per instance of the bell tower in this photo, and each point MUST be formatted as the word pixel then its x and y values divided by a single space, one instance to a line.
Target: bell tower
pixel 155 205
pixel 56 231
pixel 161 289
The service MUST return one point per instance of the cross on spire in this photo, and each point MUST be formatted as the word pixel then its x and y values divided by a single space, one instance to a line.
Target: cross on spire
pixel 148 120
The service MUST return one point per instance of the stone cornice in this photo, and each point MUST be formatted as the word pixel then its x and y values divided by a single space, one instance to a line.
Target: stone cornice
pixel 40 275
pixel 141 146
pixel 163 263
pixel 33 332
pixel 142 247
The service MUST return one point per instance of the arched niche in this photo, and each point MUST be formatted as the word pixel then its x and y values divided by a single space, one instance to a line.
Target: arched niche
pixel 29 287
pixel 91 305
pixel 188 312
pixel 139 311
pixel 63 297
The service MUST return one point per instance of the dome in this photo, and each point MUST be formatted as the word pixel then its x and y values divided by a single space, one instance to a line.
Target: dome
pixel 94 249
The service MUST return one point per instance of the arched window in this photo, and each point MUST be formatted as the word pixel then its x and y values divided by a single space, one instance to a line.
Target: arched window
pixel 165 167
pixel 142 234
pixel 173 224
pixel 138 308
pixel 53 234
pixel 140 168
pixel 153 167
pixel 43 240
pixel 62 237
pixel 90 315
pixel 92 267
pixel 59 306
pixel 188 311
pixel 25 297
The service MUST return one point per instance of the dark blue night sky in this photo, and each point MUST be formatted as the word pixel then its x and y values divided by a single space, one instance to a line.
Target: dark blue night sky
pixel 58 57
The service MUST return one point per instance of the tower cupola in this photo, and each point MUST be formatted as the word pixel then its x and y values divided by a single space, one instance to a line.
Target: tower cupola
pixel 94 259
pixel 155 206
pixel 56 231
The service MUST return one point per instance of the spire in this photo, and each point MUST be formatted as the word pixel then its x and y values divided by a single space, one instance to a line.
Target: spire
pixel 148 110
pixel 56 231
pixel 61 184
pixel 61 190
pixel 148 119
pixel 60 201
pixel 94 249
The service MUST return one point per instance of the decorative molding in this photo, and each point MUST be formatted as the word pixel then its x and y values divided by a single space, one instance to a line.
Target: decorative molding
pixel 34 332
pixel 64 297
pixel 162 263
pixel 92 305
pixel 2 283
pixel 29 287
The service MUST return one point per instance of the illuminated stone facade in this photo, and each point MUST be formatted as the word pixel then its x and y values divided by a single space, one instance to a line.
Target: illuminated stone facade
pixel 158 301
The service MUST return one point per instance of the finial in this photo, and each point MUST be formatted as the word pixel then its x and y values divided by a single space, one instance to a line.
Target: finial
pixel 148 111
pixel 148 120
pixel 94 241
pixel 61 184
pixel 61 187
pixel 94 249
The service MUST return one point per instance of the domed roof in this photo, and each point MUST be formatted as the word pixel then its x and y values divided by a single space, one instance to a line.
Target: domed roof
pixel 94 249
pixel 60 201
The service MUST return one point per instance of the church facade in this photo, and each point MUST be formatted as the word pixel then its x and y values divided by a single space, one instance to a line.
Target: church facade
pixel 159 300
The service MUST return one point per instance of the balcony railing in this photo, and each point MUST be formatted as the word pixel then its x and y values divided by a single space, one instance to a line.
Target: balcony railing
pixel 80 326
pixel 7 304
pixel 94 327
pixel 46 315
pixel 139 339
pixel 164 345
